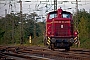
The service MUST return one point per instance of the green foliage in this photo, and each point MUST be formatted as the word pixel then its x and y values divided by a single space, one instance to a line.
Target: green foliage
pixel 85 44
pixel 10 29
pixel 1 33
pixel 7 27
pixel 38 41
pixel 83 28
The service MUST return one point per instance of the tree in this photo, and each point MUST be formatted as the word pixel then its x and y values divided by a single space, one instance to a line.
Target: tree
pixel 84 28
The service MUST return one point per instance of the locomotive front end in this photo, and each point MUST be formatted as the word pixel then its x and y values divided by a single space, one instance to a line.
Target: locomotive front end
pixel 59 30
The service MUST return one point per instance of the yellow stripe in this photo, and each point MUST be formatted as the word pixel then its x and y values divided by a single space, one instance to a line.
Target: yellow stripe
pixel 58 22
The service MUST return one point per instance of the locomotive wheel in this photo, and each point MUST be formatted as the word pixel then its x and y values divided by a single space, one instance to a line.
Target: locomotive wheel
pixel 67 49
pixel 52 47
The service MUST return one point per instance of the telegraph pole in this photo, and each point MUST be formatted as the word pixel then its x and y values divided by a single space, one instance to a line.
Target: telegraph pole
pixel 5 12
pixel 12 20
pixel 5 25
pixel 55 5
pixel 78 41
pixel 76 13
pixel 76 6
pixel 21 24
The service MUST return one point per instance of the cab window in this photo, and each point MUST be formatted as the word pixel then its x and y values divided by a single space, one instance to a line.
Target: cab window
pixel 53 15
pixel 65 15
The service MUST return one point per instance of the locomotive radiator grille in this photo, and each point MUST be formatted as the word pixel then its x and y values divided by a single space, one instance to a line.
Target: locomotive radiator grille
pixel 62 30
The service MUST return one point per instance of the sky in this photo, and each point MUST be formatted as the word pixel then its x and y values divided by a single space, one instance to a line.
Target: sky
pixel 28 7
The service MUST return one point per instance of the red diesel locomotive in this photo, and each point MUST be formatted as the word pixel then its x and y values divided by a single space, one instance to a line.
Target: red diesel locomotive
pixel 59 30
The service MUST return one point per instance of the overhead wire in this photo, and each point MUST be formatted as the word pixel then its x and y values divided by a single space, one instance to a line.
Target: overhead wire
pixel 3 6
pixel 2 9
pixel 39 2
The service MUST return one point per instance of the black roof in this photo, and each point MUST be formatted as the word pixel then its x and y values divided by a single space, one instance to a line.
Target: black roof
pixel 62 12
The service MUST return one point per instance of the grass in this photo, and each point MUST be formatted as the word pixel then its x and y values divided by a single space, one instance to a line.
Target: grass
pixel 38 41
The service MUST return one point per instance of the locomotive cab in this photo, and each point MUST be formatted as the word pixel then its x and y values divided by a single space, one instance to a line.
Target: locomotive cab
pixel 59 30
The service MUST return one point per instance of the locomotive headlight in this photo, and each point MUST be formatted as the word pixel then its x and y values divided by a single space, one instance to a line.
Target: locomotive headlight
pixel 48 32
pixel 53 40
pixel 75 33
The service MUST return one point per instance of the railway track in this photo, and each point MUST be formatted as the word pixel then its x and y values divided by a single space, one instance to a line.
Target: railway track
pixel 42 53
